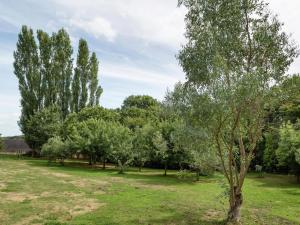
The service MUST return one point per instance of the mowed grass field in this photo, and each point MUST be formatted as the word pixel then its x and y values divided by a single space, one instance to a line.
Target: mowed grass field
pixel 33 193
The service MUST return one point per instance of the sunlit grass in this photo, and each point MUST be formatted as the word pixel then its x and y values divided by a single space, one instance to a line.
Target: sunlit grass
pixel 32 192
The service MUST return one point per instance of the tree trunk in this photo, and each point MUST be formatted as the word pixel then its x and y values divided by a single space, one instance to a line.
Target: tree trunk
pixel 197 175
pixel 104 161
pixel 166 169
pixel 90 160
pixel 236 202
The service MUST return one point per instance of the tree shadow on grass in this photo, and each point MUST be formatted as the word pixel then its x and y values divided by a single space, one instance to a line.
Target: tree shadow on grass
pixel 275 181
pixel 147 176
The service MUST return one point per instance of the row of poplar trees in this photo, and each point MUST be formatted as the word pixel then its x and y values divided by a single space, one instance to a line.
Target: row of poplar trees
pixel 46 74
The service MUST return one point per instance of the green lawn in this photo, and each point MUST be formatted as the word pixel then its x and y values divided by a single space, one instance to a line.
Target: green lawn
pixel 33 193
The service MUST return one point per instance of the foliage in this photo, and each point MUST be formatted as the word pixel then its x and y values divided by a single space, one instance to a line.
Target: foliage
pixel 45 74
pixel 143 144
pixel 288 148
pixel 55 149
pixel 121 148
pixel 139 110
pixel 27 71
pixel 41 126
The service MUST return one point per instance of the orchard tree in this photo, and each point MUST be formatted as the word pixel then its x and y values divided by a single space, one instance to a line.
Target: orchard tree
pixel 235 51
pixel 56 148
pixel 121 148
pixel 161 149
pixel 143 144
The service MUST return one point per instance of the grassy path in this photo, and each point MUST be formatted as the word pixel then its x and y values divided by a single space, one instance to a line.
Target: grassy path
pixel 33 193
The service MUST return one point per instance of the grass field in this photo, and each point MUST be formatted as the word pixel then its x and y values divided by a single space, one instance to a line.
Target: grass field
pixel 33 193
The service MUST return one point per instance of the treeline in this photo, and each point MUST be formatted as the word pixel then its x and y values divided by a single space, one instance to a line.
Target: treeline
pixel 143 131
pixel 279 150
pixel 48 77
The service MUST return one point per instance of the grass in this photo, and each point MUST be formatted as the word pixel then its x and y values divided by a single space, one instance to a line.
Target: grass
pixel 33 193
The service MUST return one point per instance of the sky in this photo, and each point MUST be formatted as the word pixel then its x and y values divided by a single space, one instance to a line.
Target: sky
pixel 136 42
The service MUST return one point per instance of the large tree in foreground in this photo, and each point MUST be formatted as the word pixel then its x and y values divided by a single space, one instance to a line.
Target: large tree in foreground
pixel 235 51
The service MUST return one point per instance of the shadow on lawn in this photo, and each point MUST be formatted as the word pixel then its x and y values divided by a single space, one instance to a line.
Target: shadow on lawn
pixel 147 176
pixel 276 181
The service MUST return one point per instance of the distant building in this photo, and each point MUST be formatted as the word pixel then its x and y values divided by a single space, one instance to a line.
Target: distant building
pixel 15 145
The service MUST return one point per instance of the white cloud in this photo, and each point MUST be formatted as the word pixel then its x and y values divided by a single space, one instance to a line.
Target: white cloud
pixel 153 21
pixel 99 27
pixel 136 74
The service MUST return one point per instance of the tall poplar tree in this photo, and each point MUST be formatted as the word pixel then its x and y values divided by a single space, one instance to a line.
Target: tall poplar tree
pixel 82 68
pixel 45 67
pixel 26 69
pixel 94 90
pixel 62 70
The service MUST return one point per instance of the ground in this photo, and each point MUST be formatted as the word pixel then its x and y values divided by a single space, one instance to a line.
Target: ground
pixel 31 192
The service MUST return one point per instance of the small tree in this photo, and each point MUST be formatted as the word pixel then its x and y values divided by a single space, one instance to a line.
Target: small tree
pixel 161 149
pixel 55 149
pixel 121 147
pixel 143 144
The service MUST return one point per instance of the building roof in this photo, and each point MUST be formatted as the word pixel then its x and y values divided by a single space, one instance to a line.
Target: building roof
pixel 15 145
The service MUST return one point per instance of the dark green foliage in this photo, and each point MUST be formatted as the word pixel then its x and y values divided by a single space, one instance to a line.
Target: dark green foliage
pixel 42 126
pixel 85 88
pixel 82 68
pixel 26 68
pixel 288 151
pixel 62 69
pixel 94 89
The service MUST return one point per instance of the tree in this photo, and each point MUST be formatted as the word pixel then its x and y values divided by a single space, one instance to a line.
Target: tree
pixel 143 144
pixel 138 110
pixel 288 149
pixel 121 148
pixel 190 139
pixel 26 69
pixel 235 51
pixel 42 126
pixel 161 148
pixel 62 69
pixel 80 91
pixel 56 148
pixel 94 90
pixel 48 85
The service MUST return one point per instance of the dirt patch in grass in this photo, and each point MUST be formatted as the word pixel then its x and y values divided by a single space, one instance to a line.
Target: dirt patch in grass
pixel 18 196
pixel 213 214
pixel 87 206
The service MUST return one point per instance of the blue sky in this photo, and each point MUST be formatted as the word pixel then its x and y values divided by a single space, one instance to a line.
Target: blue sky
pixel 135 40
